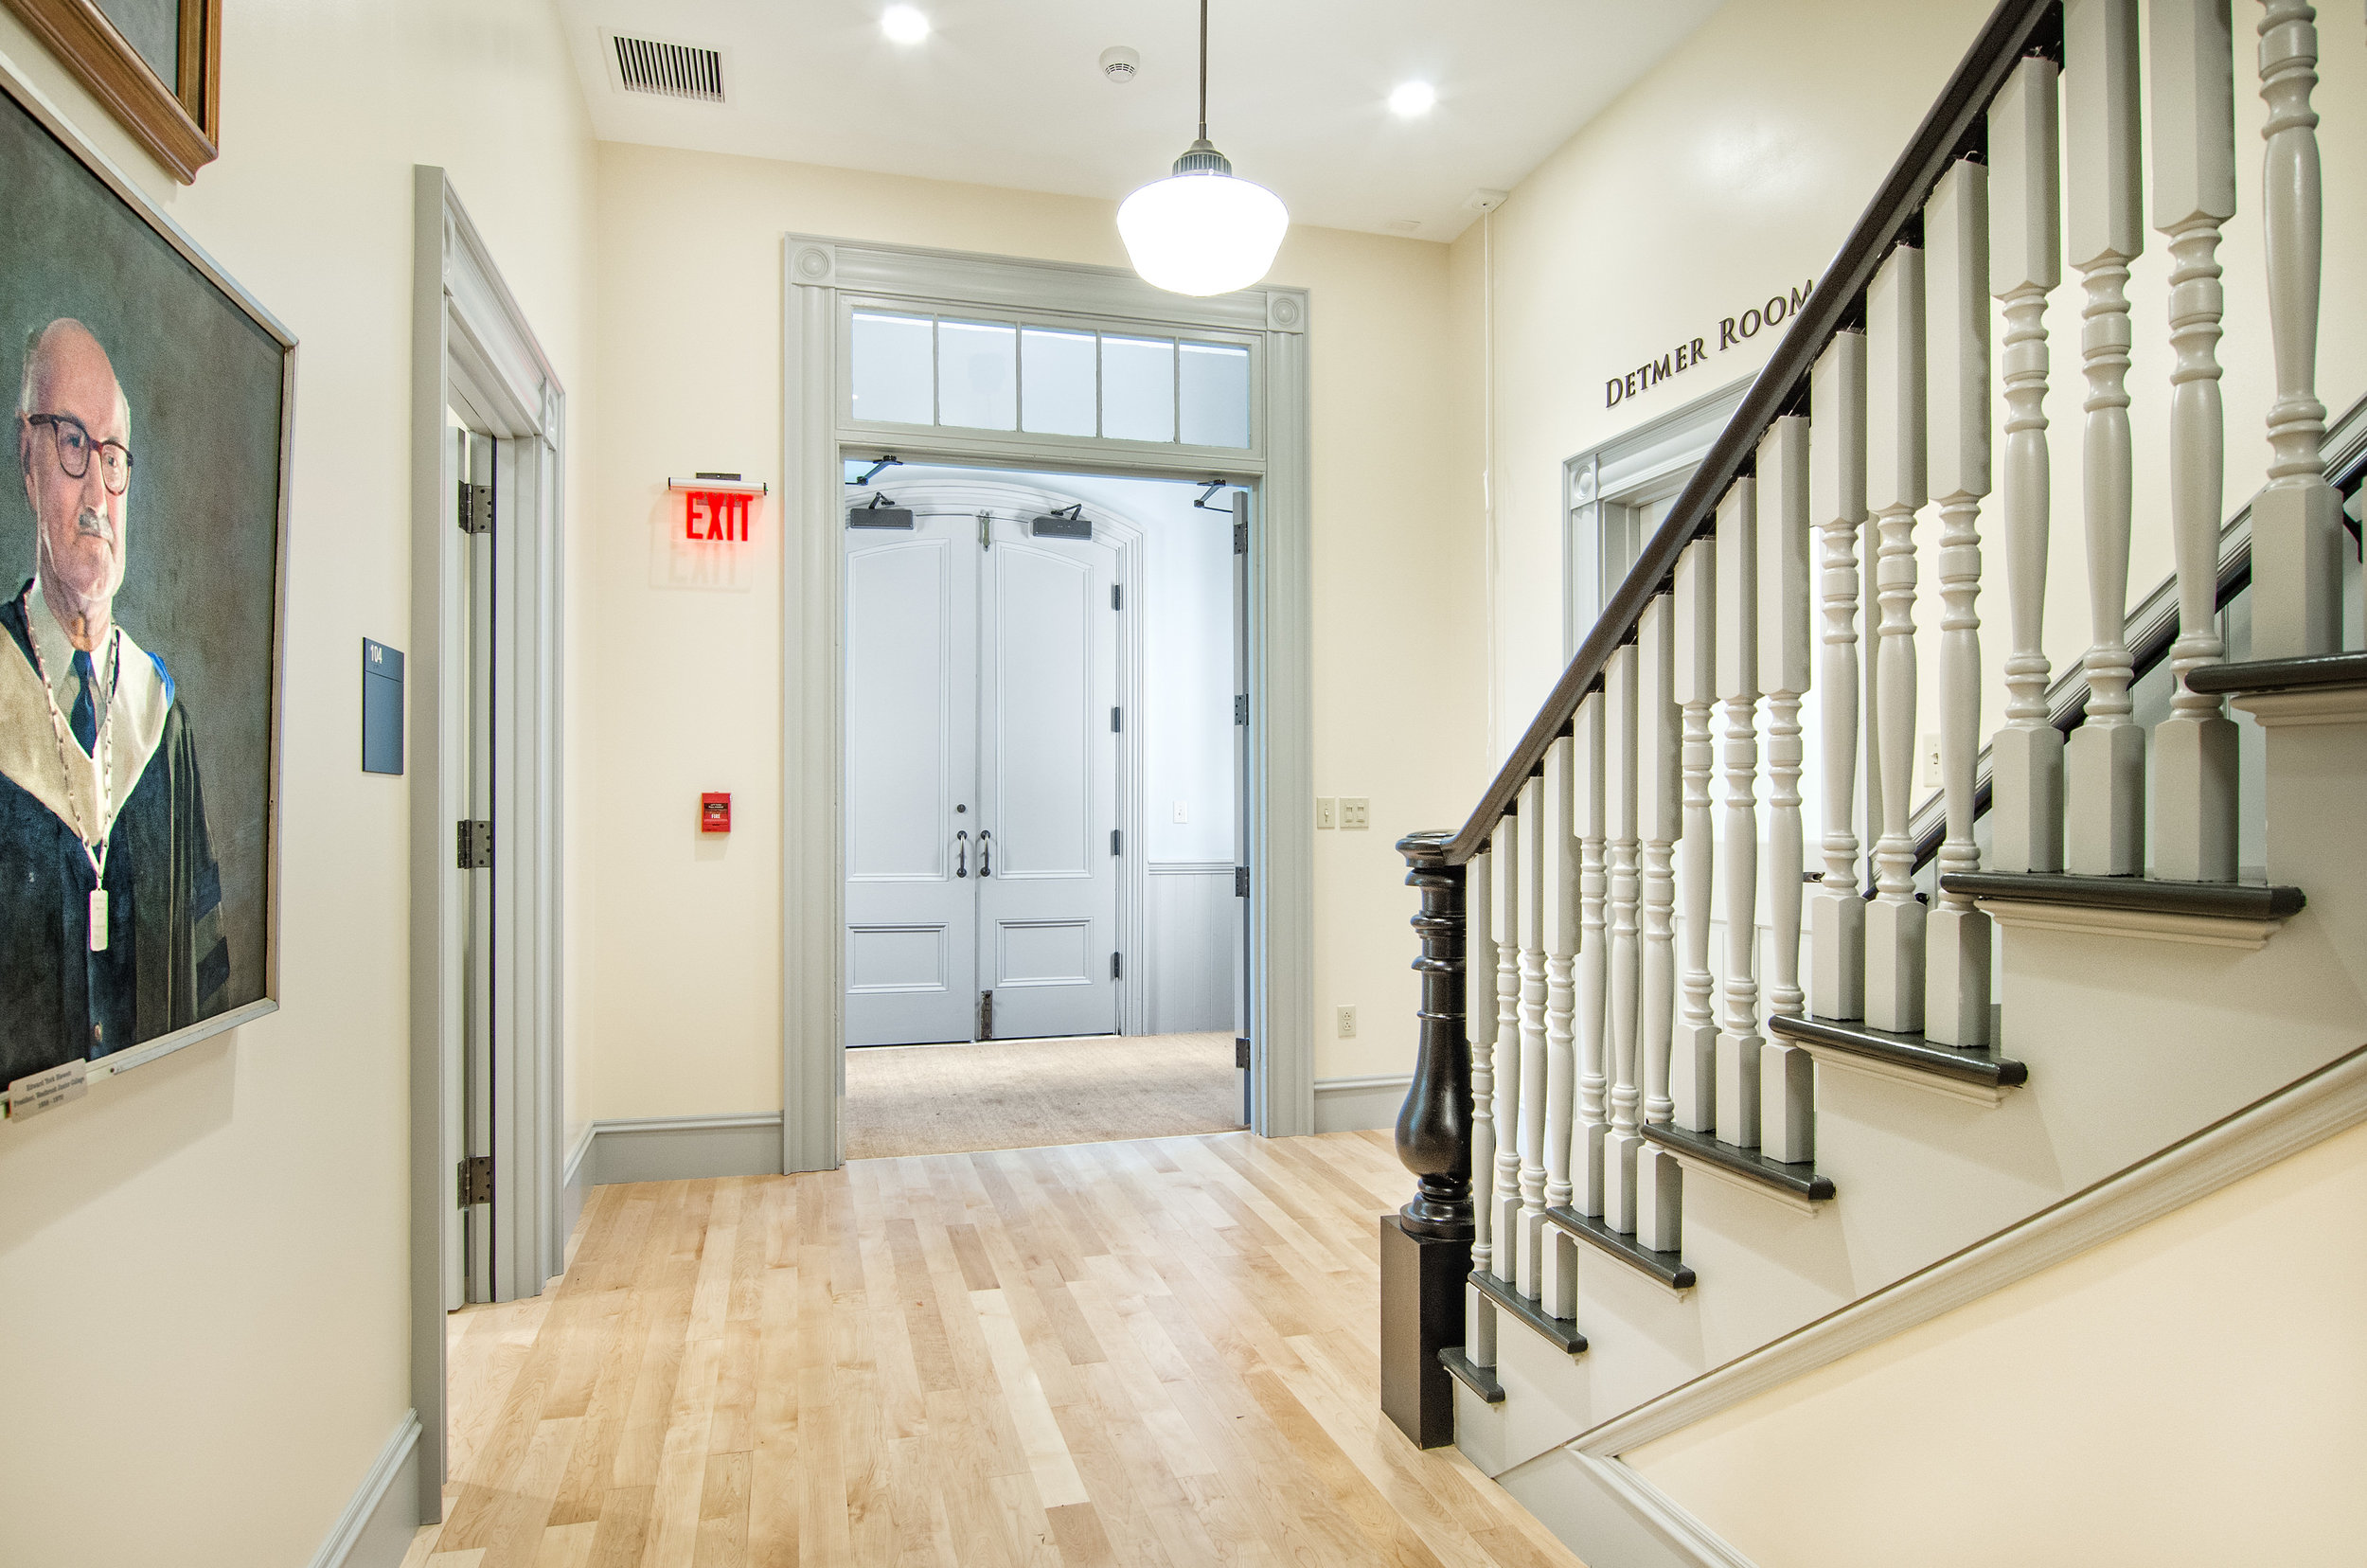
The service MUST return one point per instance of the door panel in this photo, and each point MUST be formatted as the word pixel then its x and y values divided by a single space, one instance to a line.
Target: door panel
pixel 1048 672
pixel 911 696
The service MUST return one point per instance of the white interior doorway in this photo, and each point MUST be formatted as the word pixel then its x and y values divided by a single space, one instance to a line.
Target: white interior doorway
pixel 1044 785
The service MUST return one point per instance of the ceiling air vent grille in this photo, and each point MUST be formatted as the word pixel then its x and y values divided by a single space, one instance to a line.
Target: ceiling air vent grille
pixel 670 70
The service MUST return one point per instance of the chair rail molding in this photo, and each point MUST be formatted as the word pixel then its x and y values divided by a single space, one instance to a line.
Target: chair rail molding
pixel 821 277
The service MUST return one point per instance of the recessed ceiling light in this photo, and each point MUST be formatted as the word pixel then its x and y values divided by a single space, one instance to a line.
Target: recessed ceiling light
pixel 903 24
pixel 1413 97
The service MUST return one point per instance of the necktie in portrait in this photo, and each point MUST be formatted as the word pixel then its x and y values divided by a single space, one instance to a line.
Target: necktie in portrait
pixel 84 718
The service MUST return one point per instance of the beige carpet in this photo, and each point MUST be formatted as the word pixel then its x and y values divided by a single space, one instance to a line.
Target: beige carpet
pixel 1025 1093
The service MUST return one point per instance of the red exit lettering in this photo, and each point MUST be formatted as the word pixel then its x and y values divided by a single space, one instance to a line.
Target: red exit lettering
pixel 716 515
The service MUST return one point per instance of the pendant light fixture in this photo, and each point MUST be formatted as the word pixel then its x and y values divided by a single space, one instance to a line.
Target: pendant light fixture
pixel 1201 230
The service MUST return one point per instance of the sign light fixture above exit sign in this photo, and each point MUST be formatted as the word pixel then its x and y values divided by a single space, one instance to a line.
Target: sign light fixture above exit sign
pixel 716 505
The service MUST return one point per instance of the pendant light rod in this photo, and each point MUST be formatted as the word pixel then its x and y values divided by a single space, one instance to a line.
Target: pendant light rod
pixel 1203 70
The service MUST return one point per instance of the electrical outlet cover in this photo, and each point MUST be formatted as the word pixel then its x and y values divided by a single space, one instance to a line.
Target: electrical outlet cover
pixel 1348 1023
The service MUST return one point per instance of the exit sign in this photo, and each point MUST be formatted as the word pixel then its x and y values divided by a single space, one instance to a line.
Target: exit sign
pixel 716 507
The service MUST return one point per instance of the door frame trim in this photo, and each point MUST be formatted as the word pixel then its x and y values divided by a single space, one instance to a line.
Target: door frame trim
pixel 470 339
pixel 816 271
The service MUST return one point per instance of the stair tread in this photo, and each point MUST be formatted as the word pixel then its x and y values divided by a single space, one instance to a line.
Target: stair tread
pixel 1479 1379
pixel 1666 1267
pixel 1802 1180
pixel 1971 1064
pixel 2150 894
pixel 1557 1331
pixel 2318 671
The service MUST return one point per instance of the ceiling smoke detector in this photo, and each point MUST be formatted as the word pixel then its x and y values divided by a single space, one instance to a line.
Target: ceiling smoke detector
pixel 1119 63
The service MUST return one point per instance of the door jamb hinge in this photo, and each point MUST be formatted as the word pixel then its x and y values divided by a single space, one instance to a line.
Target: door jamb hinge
pixel 1117 597
pixel 476 509
pixel 1115 722
pixel 1240 539
pixel 1117 966
pixel 475 845
pixel 1240 881
pixel 986 1015
pixel 476 1180
pixel 1241 707
pixel 1118 841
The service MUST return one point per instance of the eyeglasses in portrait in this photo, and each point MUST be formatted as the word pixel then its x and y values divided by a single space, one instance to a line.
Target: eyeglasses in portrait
pixel 140 572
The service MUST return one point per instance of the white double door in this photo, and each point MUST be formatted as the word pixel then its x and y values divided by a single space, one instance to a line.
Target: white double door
pixel 982 811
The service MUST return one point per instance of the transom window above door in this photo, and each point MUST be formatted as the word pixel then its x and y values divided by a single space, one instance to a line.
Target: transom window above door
pixel 1047 380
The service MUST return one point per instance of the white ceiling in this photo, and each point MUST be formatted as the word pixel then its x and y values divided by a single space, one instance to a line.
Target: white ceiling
pixel 1008 92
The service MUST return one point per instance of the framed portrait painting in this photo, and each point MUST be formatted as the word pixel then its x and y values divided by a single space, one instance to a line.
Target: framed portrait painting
pixel 141 567
pixel 156 65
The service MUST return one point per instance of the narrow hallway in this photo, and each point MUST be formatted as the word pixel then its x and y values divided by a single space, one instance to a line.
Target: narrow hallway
pixel 1159 1352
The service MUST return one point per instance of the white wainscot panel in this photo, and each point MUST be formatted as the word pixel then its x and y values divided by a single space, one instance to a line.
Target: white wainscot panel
pixel 1190 934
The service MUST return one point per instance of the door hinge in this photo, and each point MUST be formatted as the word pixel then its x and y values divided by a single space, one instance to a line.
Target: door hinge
pixel 1240 539
pixel 1240 708
pixel 1240 1050
pixel 1115 724
pixel 986 530
pixel 476 846
pixel 1117 597
pixel 1240 881
pixel 476 509
pixel 476 1180
pixel 1118 841
pixel 986 1015
pixel 1117 966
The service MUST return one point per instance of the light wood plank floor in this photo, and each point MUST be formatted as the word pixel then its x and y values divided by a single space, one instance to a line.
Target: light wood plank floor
pixel 1020 1093
pixel 1142 1355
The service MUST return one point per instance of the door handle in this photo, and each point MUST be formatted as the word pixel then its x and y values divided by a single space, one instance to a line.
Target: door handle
pixel 986 853
pixel 961 853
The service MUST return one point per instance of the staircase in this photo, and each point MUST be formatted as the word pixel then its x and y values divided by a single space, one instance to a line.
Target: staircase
pixel 1689 1082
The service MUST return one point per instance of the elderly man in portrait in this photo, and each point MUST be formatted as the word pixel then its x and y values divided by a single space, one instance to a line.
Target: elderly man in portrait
pixel 109 894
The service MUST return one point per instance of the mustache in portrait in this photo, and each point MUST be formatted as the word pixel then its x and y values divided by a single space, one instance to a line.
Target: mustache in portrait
pixel 93 522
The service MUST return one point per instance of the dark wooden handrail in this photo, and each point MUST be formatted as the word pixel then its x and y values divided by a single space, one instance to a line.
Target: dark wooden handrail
pixel 2004 38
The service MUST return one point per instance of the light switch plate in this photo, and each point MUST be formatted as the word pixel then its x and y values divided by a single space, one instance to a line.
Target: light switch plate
pixel 1930 764
pixel 1183 812
pixel 1326 811
pixel 1355 811
pixel 1348 1023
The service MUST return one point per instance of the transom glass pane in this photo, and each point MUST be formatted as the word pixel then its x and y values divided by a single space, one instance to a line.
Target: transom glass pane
pixel 1213 383
pixel 1057 371
pixel 895 375
pixel 1138 388
pixel 978 375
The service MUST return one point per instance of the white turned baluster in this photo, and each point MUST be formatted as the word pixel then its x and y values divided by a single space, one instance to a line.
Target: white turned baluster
pixel 1619 1144
pixel 1837 506
pixel 1557 1276
pixel 1658 1177
pixel 1479 933
pixel 2104 764
pixel 1738 823
pixel 1956 318
pixel 1535 857
pixel 1505 1196
pixel 2025 264
pixel 1693 1056
pixel 2194 192
pixel 1787 1074
pixel 2296 521
pixel 1895 491
pixel 1586 740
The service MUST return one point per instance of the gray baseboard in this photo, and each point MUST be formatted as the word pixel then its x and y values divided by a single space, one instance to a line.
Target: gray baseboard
pixel 1622 1518
pixel 1357 1104
pixel 673 1149
pixel 575 1181
pixel 376 1530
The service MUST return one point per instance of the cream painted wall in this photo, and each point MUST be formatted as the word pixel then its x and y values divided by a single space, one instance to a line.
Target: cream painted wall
pixel 1732 170
pixel 2188 1393
pixel 687 692
pixel 203 1265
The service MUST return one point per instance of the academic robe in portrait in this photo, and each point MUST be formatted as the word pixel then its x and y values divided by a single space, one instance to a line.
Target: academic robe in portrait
pixel 166 965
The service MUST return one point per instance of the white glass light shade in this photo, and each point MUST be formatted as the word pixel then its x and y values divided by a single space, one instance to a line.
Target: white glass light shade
pixel 1202 234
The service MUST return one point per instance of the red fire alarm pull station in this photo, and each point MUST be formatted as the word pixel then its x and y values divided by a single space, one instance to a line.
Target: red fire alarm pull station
pixel 715 813
pixel 715 505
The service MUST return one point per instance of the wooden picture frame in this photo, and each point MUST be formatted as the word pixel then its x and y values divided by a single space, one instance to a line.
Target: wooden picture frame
pixel 179 121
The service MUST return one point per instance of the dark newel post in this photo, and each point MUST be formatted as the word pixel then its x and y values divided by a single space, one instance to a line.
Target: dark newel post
pixel 1426 1246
